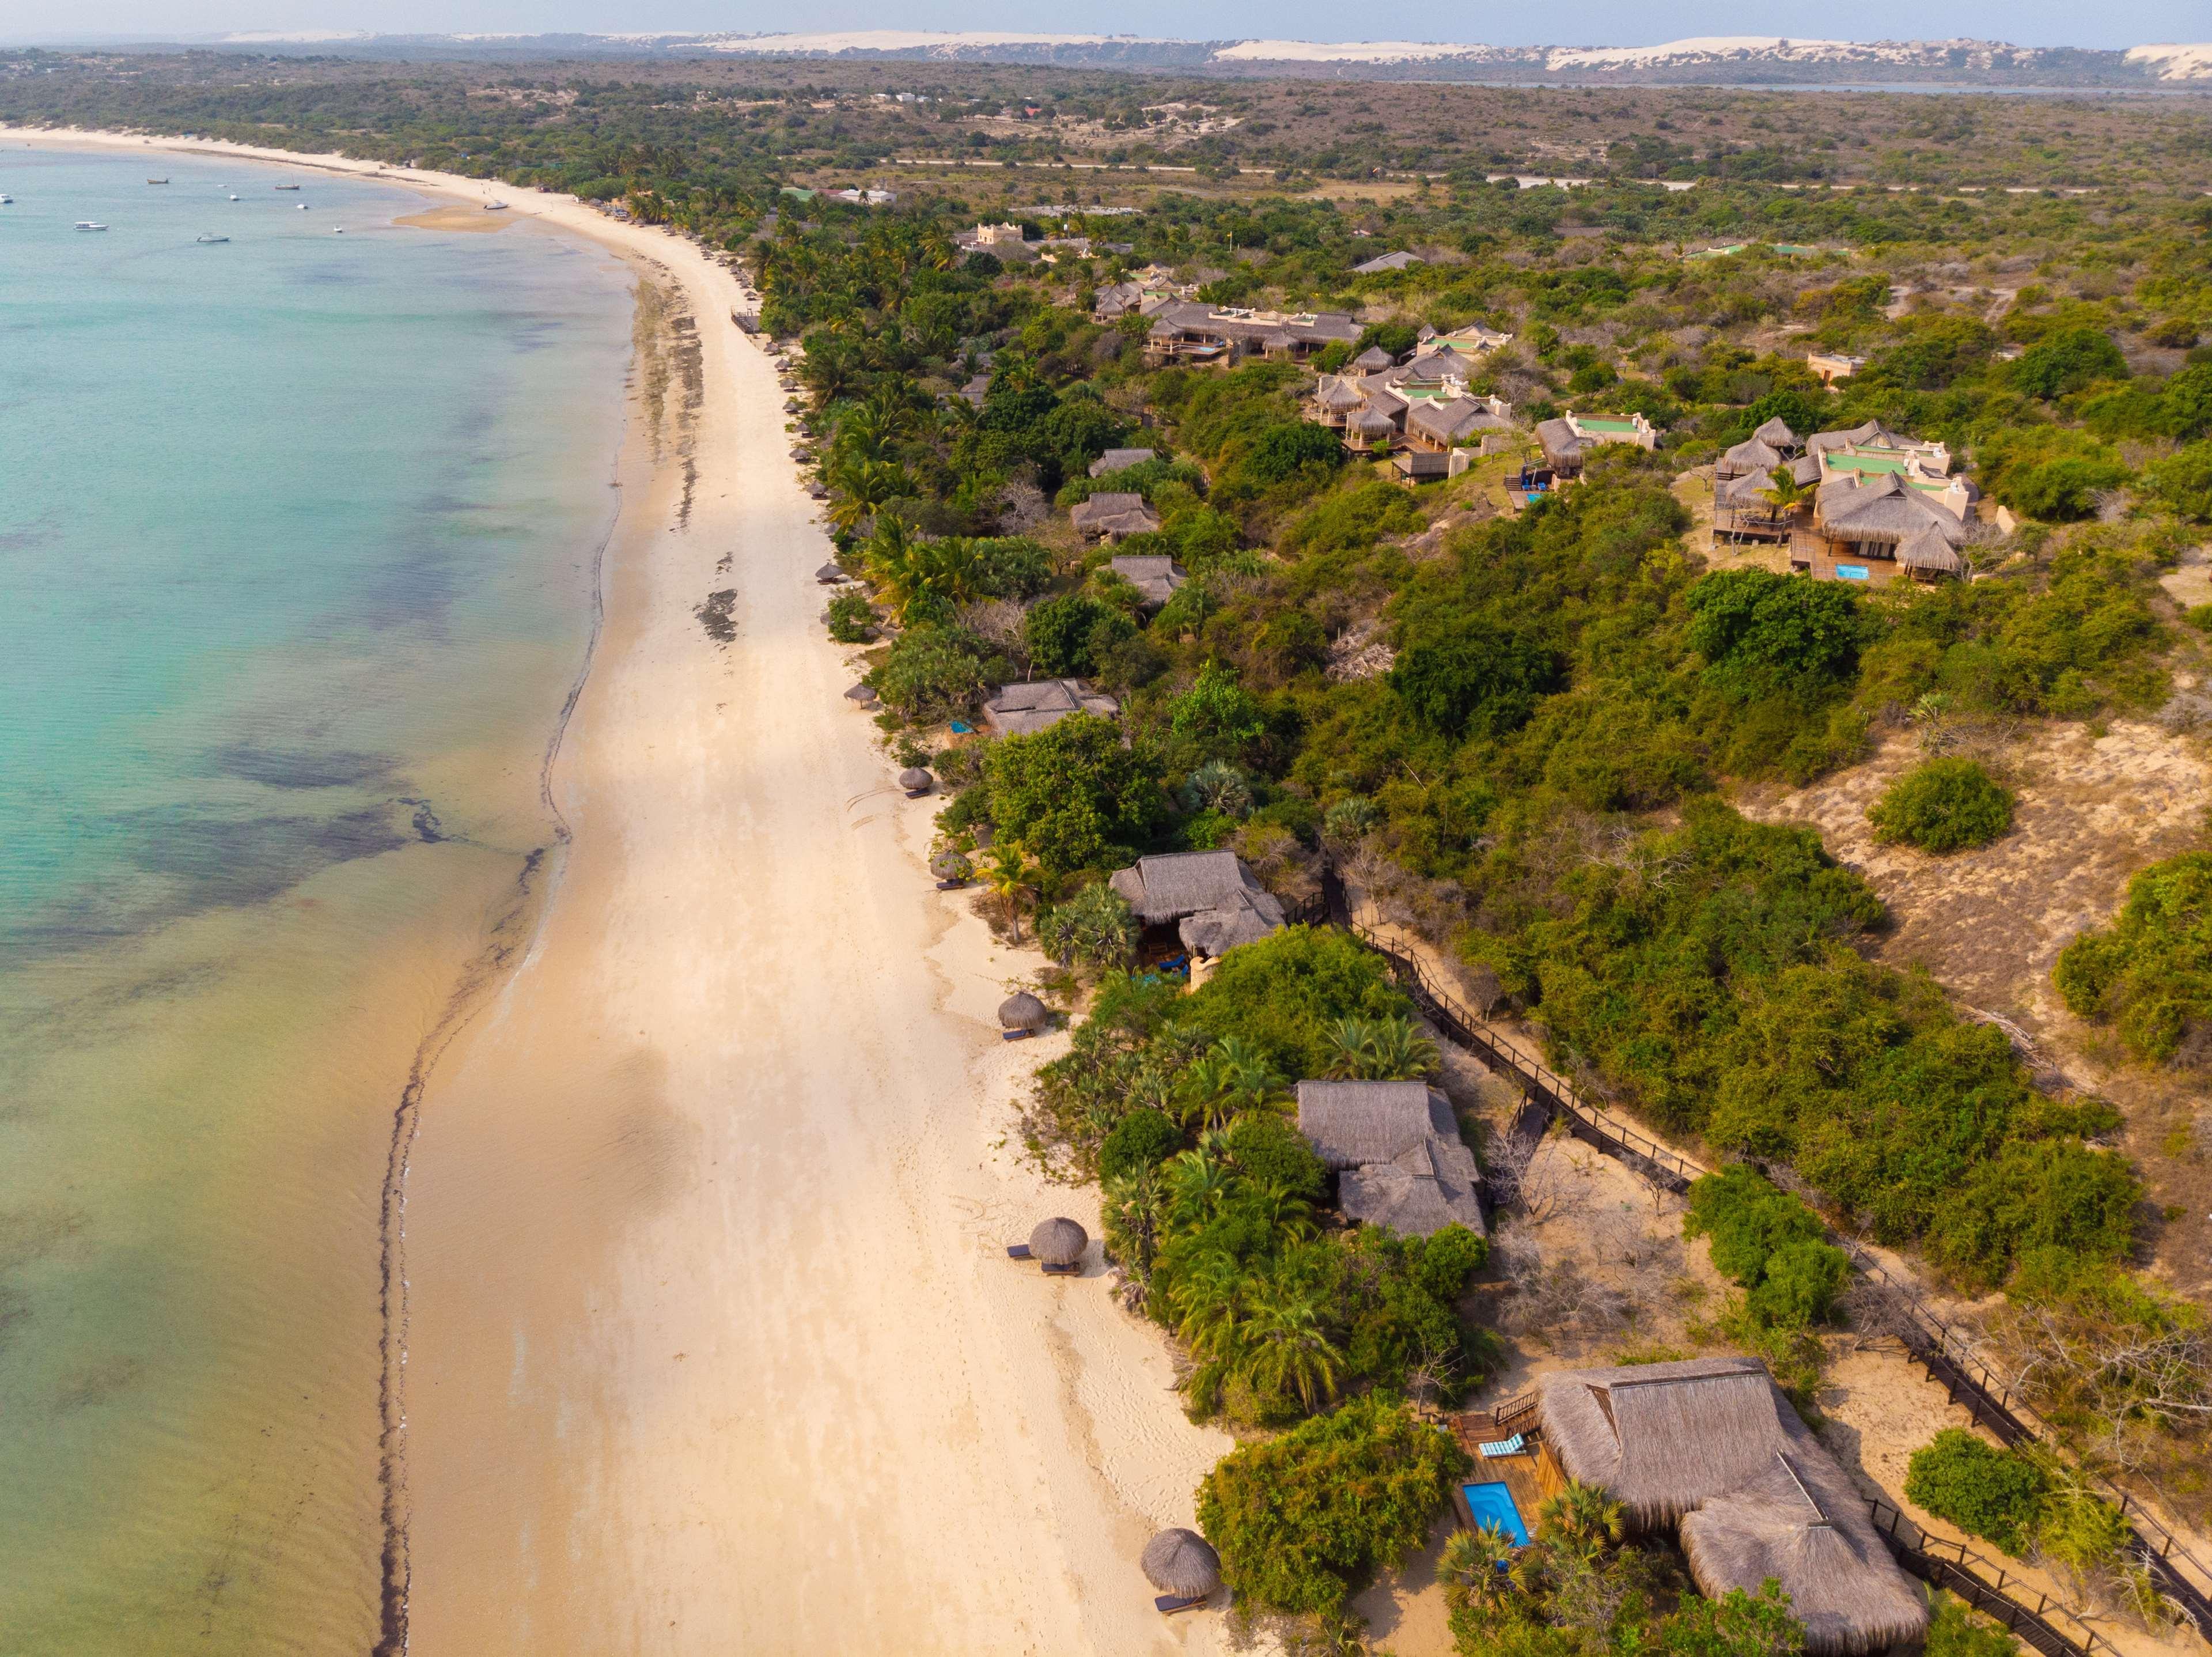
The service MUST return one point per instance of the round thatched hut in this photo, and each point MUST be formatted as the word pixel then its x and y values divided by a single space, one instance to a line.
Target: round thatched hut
pixel 1058 1242
pixel 951 866
pixel 1369 424
pixel 915 780
pixel 1023 1011
pixel 1182 1562
pixel 829 575
pixel 863 693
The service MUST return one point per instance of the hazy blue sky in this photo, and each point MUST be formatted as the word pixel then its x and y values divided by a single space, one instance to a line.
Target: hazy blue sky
pixel 1591 22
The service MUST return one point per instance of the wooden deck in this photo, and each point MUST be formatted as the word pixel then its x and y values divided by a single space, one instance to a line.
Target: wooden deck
pixel 1532 1477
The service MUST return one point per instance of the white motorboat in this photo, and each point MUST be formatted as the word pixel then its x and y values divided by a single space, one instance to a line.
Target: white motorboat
pixel 234 198
pixel 206 241
pixel 303 207
pixel 283 186
pixel 89 224
pixel 5 199
pixel 337 230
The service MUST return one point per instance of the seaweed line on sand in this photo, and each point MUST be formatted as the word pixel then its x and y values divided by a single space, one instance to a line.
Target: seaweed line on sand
pixel 510 932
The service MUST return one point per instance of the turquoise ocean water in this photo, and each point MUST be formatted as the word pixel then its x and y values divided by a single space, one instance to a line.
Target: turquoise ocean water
pixel 297 545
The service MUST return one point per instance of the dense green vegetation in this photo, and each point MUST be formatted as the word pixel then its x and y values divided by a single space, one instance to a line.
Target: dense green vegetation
pixel 1304 1519
pixel 2151 973
pixel 1943 805
pixel 1774 1247
pixel 2020 1500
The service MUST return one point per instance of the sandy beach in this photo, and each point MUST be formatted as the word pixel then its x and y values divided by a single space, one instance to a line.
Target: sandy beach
pixel 711 1344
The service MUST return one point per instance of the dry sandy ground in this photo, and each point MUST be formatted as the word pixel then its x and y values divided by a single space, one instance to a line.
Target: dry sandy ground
pixel 715 1347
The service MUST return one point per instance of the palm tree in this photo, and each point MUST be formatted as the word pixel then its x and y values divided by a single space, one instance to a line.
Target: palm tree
pixel 1198 1183
pixel 1232 1076
pixel 1012 878
pixel 1473 1565
pixel 1783 492
pixel 1289 1215
pixel 1096 927
pixel 1287 1349
pixel 1581 1520
pixel 1381 1049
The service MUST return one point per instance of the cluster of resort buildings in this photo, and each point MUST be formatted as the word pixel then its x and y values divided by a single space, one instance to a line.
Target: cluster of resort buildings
pixel 1875 494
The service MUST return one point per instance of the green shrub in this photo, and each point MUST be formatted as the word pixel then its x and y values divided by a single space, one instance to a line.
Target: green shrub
pixel 1985 1491
pixel 852 618
pixel 1074 797
pixel 1283 993
pixel 2182 482
pixel 1271 1151
pixel 1760 632
pixel 1476 681
pixel 1943 805
pixel 1143 1139
pixel 1302 1520
pixel 2067 360
pixel 1953 1630
pixel 2150 971
pixel 930 673
pixel 1768 1241
pixel 1071 634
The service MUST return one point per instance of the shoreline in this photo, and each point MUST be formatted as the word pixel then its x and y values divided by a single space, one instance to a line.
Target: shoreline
pixel 710 1340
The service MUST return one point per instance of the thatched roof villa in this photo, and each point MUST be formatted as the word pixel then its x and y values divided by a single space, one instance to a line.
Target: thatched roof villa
pixel 1712 1448
pixel 1156 579
pixel 1568 439
pixel 1212 899
pixel 1026 709
pixel 1395 1150
pixel 1192 330
pixel 1426 399
pixel 1113 515
pixel 1120 460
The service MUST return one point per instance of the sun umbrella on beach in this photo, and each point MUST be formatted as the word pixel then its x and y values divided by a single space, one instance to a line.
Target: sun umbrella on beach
pixel 915 780
pixel 1022 1011
pixel 1058 1242
pixel 951 866
pixel 1182 1562
pixel 864 694
pixel 830 574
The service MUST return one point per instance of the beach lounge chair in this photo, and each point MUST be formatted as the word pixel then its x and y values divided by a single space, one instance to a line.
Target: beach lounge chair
pixel 1074 1268
pixel 1505 1446
pixel 1017 1251
pixel 1016 1035
pixel 1167 1604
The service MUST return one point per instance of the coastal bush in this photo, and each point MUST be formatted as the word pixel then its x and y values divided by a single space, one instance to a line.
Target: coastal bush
pixel 1760 633
pixel 1096 929
pixel 1140 1141
pixel 2066 361
pixel 2182 482
pixel 1073 634
pixel 1303 1520
pixel 852 618
pixel 1010 567
pixel 1475 680
pixel 1943 805
pixel 1769 1243
pixel 1993 1494
pixel 2149 972
pixel 1074 796
pixel 1954 1630
pixel 1285 992
pixel 931 673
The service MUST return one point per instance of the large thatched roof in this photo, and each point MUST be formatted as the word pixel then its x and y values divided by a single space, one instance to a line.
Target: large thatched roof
pixel 1396 1147
pixel 1038 704
pixel 1371 422
pixel 1155 578
pixel 1120 460
pixel 1179 883
pixel 1712 1446
pixel 1562 445
pixel 1116 513
pixel 1883 513
pixel 1058 1242
pixel 1775 434
pixel 1244 916
pixel 1182 1562
pixel 1754 456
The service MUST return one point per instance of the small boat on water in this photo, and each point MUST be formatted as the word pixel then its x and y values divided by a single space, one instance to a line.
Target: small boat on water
pixel 495 207
pixel 207 241
pixel 157 181
pixel 283 186
pixel 5 199
pixel 89 224
pixel 234 198
pixel 337 230
pixel 303 207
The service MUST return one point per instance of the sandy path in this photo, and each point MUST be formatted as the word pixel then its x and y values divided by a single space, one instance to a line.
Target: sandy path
pixel 713 1346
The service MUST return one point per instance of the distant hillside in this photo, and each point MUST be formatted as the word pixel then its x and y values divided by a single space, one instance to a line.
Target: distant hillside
pixel 1717 60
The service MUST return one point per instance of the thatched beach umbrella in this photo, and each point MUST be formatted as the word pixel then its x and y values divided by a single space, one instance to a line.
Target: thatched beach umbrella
pixel 863 693
pixel 915 780
pixel 948 865
pixel 1058 1242
pixel 1182 1562
pixel 1023 1011
pixel 830 574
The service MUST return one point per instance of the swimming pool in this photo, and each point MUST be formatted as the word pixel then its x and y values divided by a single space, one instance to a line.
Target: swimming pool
pixel 1492 1504
pixel 1851 572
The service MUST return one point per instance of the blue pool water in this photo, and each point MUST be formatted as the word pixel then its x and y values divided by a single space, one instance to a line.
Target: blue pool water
pixel 1492 1504
pixel 1851 572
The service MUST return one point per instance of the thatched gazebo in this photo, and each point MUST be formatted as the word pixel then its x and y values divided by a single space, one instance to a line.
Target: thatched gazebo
pixel 1341 396
pixel 1058 1244
pixel 1183 1566
pixel 915 780
pixel 1369 424
pixel 1928 553
pixel 1711 1448
pixel 1024 1012
pixel 862 695
pixel 952 868
pixel 830 575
